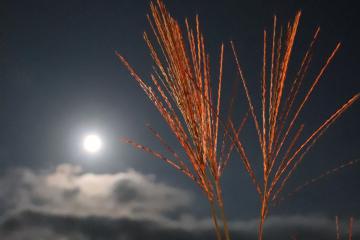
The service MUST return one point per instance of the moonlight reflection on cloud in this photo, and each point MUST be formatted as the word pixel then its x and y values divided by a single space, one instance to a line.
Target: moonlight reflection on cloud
pixel 92 143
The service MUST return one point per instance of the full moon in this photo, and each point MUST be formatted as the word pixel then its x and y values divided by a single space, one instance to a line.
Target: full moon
pixel 92 143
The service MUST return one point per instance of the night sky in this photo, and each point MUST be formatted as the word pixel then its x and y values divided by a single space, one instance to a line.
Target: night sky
pixel 60 80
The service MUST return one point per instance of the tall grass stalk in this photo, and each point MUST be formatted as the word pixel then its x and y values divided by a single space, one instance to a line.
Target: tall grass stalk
pixel 181 89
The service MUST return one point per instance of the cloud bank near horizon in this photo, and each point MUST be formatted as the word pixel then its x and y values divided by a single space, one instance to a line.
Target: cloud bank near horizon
pixel 69 203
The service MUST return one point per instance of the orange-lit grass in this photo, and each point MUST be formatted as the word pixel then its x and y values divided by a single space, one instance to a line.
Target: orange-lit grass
pixel 181 89
pixel 280 150
pixel 325 174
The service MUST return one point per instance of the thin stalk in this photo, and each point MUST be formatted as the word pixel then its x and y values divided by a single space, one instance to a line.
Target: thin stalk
pixel 337 228
pixel 262 219
pixel 214 220
pixel 261 228
pixel 351 227
pixel 263 211
pixel 222 210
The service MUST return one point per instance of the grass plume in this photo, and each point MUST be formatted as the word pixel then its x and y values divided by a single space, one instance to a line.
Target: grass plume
pixel 278 137
pixel 181 89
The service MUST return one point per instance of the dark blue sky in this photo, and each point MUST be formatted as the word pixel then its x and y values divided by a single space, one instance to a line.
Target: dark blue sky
pixel 60 78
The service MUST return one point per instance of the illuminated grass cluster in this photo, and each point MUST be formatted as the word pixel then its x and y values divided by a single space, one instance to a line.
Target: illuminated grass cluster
pixel 181 89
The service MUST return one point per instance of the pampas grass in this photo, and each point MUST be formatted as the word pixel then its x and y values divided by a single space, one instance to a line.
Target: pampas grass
pixel 281 151
pixel 182 89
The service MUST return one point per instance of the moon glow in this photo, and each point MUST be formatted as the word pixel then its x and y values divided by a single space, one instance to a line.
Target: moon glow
pixel 92 143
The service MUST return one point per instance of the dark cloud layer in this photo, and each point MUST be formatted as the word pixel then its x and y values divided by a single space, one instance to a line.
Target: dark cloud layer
pixel 30 225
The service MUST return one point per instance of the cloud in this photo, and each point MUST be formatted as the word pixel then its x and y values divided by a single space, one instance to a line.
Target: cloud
pixel 69 203
pixel 30 225
pixel 69 191
pixel 32 233
pixel 100 228
pixel 302 226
